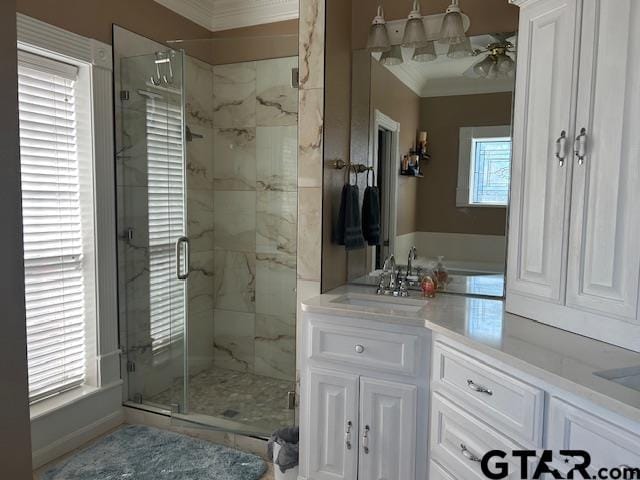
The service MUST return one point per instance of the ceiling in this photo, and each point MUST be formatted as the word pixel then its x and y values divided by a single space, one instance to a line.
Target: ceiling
pixel 445 76
pixel 217 15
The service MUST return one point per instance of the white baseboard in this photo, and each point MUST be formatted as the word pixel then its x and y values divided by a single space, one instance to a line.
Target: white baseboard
pixel 76 439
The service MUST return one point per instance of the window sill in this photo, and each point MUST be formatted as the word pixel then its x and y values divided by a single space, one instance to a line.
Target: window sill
pixel 479 205
pixel 50 405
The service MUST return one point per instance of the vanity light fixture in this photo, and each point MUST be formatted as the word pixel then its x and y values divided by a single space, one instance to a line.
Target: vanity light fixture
pixel 452 30
pixel 392 57
pixel 378 36
pixel 426 53
pixel 461 50
pixel 415 34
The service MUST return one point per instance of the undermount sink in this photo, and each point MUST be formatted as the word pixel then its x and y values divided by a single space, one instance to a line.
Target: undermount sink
pixel 629 377
pixel 405 305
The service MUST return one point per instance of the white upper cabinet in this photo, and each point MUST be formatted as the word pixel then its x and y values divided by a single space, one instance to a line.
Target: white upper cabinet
pixel 604 246
pixel 543 110
pixel 574 260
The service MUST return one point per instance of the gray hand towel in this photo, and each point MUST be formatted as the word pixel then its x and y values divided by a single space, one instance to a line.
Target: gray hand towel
pixel 348 230
pixel 371 215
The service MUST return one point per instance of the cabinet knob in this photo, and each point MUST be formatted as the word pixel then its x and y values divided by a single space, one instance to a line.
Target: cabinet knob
pixel 359 348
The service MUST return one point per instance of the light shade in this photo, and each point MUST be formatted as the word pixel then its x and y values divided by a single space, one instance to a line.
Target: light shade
pixel 460 50
pixel 378 36
pixel 415 34
pixel 452 30
pixel 485 67
pixel 505 65
pixel 425 53
pixel 392 57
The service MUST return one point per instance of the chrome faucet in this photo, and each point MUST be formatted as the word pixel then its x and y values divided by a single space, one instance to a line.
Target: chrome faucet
pixel 392 286
pixel 413 254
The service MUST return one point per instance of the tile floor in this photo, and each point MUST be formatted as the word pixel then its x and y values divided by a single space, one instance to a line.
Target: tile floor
pixel 258 402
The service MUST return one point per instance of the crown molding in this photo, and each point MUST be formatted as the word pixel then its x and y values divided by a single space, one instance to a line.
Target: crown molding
pixel 217 15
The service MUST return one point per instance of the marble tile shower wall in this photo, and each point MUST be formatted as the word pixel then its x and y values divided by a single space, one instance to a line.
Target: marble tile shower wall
pixel 242 218
pixel 243 215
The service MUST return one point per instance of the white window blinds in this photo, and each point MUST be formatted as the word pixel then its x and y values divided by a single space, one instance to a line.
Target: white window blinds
pixel 53 240
pixel 166 221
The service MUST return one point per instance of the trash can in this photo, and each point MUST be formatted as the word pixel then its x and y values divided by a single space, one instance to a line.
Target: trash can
pixel 283 449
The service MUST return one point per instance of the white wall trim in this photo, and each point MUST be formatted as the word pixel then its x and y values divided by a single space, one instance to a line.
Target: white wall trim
pixel 96 58
pixel 381 120
pixel 217 15
pixel 76 439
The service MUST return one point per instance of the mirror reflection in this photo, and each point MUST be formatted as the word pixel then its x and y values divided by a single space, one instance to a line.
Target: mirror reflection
pixel 437 123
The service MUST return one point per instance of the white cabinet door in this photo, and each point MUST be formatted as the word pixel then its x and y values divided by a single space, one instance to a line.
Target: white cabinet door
pixel 543 109
pixel 387 430
pixel 604 258
pixel 610 445
pixel 333 411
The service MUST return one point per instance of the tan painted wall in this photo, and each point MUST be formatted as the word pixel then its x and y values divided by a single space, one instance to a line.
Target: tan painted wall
pixel 487 16
pixel 442 118
pixel 94 19
pixel 15 444
pixel 394 99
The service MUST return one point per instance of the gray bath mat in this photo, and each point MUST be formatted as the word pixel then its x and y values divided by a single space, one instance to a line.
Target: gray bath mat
pixel 136 452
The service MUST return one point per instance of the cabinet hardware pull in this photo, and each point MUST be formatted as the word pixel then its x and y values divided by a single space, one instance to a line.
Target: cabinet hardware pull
pixel 347 435
pixel 561 152
pixel 478 388
pixel 467 454
pixel 580 146
pixel 365 439
pixel 359 348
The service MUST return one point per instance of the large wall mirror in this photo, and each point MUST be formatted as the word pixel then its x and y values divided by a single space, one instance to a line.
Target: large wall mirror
pixel 431 128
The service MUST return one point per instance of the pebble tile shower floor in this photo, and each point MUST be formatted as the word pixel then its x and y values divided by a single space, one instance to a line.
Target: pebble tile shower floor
pixel 253 400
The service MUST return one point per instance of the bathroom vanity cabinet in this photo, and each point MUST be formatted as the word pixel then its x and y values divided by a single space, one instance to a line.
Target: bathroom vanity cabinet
pixel 391 400
pixel 364 408
pixel 573 259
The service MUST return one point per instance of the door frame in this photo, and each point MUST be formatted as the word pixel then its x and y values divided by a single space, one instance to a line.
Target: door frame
pixel 382 121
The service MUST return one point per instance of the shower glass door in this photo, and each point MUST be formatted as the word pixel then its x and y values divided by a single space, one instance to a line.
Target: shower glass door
pixel 153 249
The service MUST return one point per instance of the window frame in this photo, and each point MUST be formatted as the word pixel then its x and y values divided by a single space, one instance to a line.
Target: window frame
pixel 467 138
pixel 84 152
pixel 95 121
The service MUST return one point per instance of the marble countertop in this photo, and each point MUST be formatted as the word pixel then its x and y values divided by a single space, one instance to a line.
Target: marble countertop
pixel 563 359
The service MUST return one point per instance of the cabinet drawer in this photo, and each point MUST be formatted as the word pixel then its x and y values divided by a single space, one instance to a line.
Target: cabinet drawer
pixel 436 472
pixel 610 445
pixel 508 404
pixel 459 440
pixel 382 351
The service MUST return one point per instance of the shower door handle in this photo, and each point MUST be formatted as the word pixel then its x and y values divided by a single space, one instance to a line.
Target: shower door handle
pixel 183 241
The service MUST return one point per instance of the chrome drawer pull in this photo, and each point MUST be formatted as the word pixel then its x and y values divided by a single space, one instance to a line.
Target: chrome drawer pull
pixel 359 348
pixel 468 455
pixel 347 435
pixel 478 388
pixel 365 439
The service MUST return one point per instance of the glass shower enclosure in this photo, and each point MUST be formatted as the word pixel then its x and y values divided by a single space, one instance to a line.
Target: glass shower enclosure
pixel 206 168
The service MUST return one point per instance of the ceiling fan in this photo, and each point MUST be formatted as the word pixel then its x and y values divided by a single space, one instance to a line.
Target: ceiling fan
pixel 499 59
